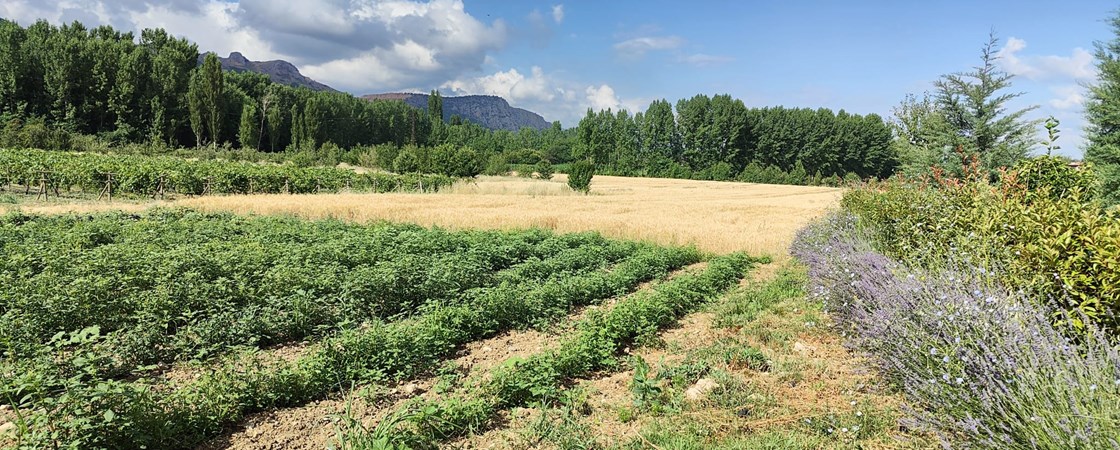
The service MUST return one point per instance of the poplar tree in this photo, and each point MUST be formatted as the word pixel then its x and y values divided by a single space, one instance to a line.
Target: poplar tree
pixel 249 131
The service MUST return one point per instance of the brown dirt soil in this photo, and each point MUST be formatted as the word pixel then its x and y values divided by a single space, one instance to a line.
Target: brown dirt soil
pixel 480 357
pixel 315 426
pixel 182 373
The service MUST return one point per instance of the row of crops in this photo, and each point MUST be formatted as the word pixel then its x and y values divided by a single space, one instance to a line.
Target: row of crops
pixel 97 309
pixel 152 175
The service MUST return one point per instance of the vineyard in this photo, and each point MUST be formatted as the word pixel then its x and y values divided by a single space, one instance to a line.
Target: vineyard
pixel 55 173
pixel 99 312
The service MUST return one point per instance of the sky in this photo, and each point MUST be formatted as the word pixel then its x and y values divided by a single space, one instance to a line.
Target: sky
pixel 558 58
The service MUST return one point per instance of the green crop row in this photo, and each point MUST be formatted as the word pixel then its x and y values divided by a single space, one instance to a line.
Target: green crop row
pixel 175 284
pixel 149 175
pixel 85 411
pixel 594 346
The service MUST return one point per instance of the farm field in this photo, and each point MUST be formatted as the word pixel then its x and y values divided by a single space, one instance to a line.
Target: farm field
pixel 295 334
pixel 717 217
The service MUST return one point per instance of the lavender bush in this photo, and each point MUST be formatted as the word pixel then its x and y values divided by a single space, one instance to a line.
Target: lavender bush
pixel 983 366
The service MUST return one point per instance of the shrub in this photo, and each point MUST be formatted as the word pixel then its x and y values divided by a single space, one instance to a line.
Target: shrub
pixel 983 364
pixel 1053 177
pixel 1059 248
pixel 543 169
pixel 496 164
pixel 579 176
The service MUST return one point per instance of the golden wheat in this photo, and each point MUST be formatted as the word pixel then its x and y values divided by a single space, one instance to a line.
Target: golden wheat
pixel 714 216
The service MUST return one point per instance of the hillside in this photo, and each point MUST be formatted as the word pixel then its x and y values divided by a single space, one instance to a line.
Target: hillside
pixel 489 111
pixel 279 71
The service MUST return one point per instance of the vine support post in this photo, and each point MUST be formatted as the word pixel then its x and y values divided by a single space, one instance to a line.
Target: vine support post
pixel 107 189
pixel 208 188
pixel 45 186
pixel 161 186
pixel 287 186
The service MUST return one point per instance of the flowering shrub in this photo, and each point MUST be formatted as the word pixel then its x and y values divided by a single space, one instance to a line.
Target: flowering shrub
pixel 1055 244
pixel 984 365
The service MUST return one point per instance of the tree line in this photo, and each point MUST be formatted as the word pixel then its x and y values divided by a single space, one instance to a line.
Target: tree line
pixel 719 138
pixel 107 83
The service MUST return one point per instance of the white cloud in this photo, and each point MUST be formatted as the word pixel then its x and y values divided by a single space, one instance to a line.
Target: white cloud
pixel 639 46
pixel 1068 97
pixel 551 96
pixel 1077 66
pixel 355 45
pixel 705 60
pixel 602 97
pixel 558 13
pixel 214 28
pixel 510 84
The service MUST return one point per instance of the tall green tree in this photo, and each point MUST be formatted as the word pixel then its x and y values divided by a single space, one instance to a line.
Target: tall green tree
pixel 974 104
pixel 173 62
pixel 922 138
pixel 659 131
pixel 248 134
pixel 13 68
pixel 213 94
pixel 1102 111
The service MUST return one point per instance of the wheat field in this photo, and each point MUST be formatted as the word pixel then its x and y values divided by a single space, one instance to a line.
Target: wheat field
pixel 715 216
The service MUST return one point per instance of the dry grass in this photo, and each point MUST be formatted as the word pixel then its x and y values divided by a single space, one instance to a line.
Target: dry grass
pixel 715 216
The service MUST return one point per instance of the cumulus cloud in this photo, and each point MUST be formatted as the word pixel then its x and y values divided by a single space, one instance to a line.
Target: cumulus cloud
pixel 552 96
pixel 511 85
pixel 355 45
pixel 558 13
pixel 1077 66
pixel 637 47
pixel 1068 97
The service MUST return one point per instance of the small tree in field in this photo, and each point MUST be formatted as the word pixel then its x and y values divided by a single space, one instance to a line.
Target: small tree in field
pixel 543 169
pixel 579 176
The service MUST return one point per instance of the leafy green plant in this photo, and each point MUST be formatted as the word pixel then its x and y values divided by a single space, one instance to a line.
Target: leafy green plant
pixel 579 176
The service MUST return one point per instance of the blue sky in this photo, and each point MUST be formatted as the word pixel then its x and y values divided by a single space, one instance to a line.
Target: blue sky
pixel 560 57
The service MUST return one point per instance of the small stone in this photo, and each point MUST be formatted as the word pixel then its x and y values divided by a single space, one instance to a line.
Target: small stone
pixel 700 389
pixel 7 429
pixel 412 389
pixel 743 412
pixel 486 348
pixel 803 349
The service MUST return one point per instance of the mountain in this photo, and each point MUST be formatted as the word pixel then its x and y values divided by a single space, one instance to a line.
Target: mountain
pixel 487 110
pixel 282 72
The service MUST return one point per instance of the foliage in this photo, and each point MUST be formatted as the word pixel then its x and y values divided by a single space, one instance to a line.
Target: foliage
pixel 543 168
pixel 982 364
pixel 1049 242
pixel 921 136
pixel 718 138
pixel 595 344
pixel 387 302
pixel 1102 112
pixel 105 83
pixel 973 106
pixel 143 175
pixel 579 175
pixel 1052 176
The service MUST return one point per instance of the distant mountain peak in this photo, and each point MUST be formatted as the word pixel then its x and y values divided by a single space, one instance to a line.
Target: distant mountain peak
pixel 490 111
pixel 238 58
pixel 279 71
